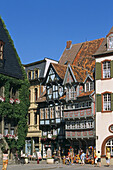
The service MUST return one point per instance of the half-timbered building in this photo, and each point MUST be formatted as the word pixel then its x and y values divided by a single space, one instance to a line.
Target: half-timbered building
pixel 79 108
pixel 50 108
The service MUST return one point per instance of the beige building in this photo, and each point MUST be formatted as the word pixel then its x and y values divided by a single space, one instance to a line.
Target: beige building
pixel 104 96
pixel 35 72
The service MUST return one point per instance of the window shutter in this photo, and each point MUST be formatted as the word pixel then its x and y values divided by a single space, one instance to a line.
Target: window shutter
pixel 98 71
pixel 111 68
pixel 98 103
pixel 112 101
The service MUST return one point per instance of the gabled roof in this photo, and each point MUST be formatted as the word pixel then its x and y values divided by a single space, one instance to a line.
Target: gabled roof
pixel 84 57
pixel 60 69
pixel 68 55
pixel 111 31
pixel 11 62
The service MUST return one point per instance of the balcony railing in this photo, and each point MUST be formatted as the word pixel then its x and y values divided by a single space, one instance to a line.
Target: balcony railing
pixel 78 114
pixel 80 134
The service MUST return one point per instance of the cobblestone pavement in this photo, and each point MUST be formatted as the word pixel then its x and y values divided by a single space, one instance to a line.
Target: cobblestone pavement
pixel 55 167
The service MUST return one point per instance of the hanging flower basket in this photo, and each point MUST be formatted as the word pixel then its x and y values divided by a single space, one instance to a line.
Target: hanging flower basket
pixel 17 101
pixel 11 100
pixel 2 99
pixel 9 136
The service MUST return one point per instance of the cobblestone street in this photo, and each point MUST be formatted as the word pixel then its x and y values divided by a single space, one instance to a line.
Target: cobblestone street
pixel 55 167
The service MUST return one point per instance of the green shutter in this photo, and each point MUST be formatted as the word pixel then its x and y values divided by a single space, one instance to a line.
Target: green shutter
pixel 112 101
pixel 98 103
pixel 111 68
pixel 98 71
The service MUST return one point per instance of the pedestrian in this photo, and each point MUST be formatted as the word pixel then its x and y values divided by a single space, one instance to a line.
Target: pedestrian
pixel 108 157
pixel 5 160
pixel 83 158
pixel 99 158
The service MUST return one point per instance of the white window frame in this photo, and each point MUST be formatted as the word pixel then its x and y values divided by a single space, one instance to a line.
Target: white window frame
pixel 106 102
pixel 106 69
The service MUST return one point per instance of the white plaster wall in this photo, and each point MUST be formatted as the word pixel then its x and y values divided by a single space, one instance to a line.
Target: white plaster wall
pixel 104 58
pixel 48 61
pixel 104 85
pixel 103 121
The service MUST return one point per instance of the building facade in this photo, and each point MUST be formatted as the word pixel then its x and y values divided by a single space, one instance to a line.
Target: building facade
pixel 104 95
pixel 13 102
pixel 50 109
pixel 70 91
pixel 79 108
pixel 35 73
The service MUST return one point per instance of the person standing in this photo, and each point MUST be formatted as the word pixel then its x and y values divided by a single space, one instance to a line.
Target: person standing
pixel 5 160
pixel 108 157
pixel 83 158
pixel 99 158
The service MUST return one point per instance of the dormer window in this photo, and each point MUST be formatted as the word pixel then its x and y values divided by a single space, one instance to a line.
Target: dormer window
pixel 1 50
pixel 89 86
pixel 110 41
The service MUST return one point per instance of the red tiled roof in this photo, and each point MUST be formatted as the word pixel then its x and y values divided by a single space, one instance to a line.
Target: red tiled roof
pixel 86 93
pixel 60 69
pixel 79 73
pixel 69 54
pixel 84 57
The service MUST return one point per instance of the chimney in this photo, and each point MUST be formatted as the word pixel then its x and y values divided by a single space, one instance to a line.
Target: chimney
pixel 68 44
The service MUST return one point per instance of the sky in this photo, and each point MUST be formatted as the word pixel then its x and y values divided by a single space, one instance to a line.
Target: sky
pixel 41 28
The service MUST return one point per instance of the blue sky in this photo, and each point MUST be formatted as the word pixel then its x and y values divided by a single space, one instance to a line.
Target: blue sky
pixel 40 28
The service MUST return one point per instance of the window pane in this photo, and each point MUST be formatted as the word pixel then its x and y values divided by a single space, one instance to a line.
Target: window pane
pixel 106 102
pixel 106 69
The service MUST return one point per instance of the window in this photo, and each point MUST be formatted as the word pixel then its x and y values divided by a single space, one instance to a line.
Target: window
pixel 36 73
pixel 109 145
pixel 72 90
pixel 12 131
pixel 67 125
pixel 1 50
pixel 29 75
pixel 70 93
pixel 106 102
pixel 49 92
pixel 46 113
pixel 106 69
pixel 110 42
pixel 41 113
pixel 89 86
pixel 60 91
pixel 57 112
pixel 55 92
pixel 32 75
pixel 52 112
pixel 5 131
